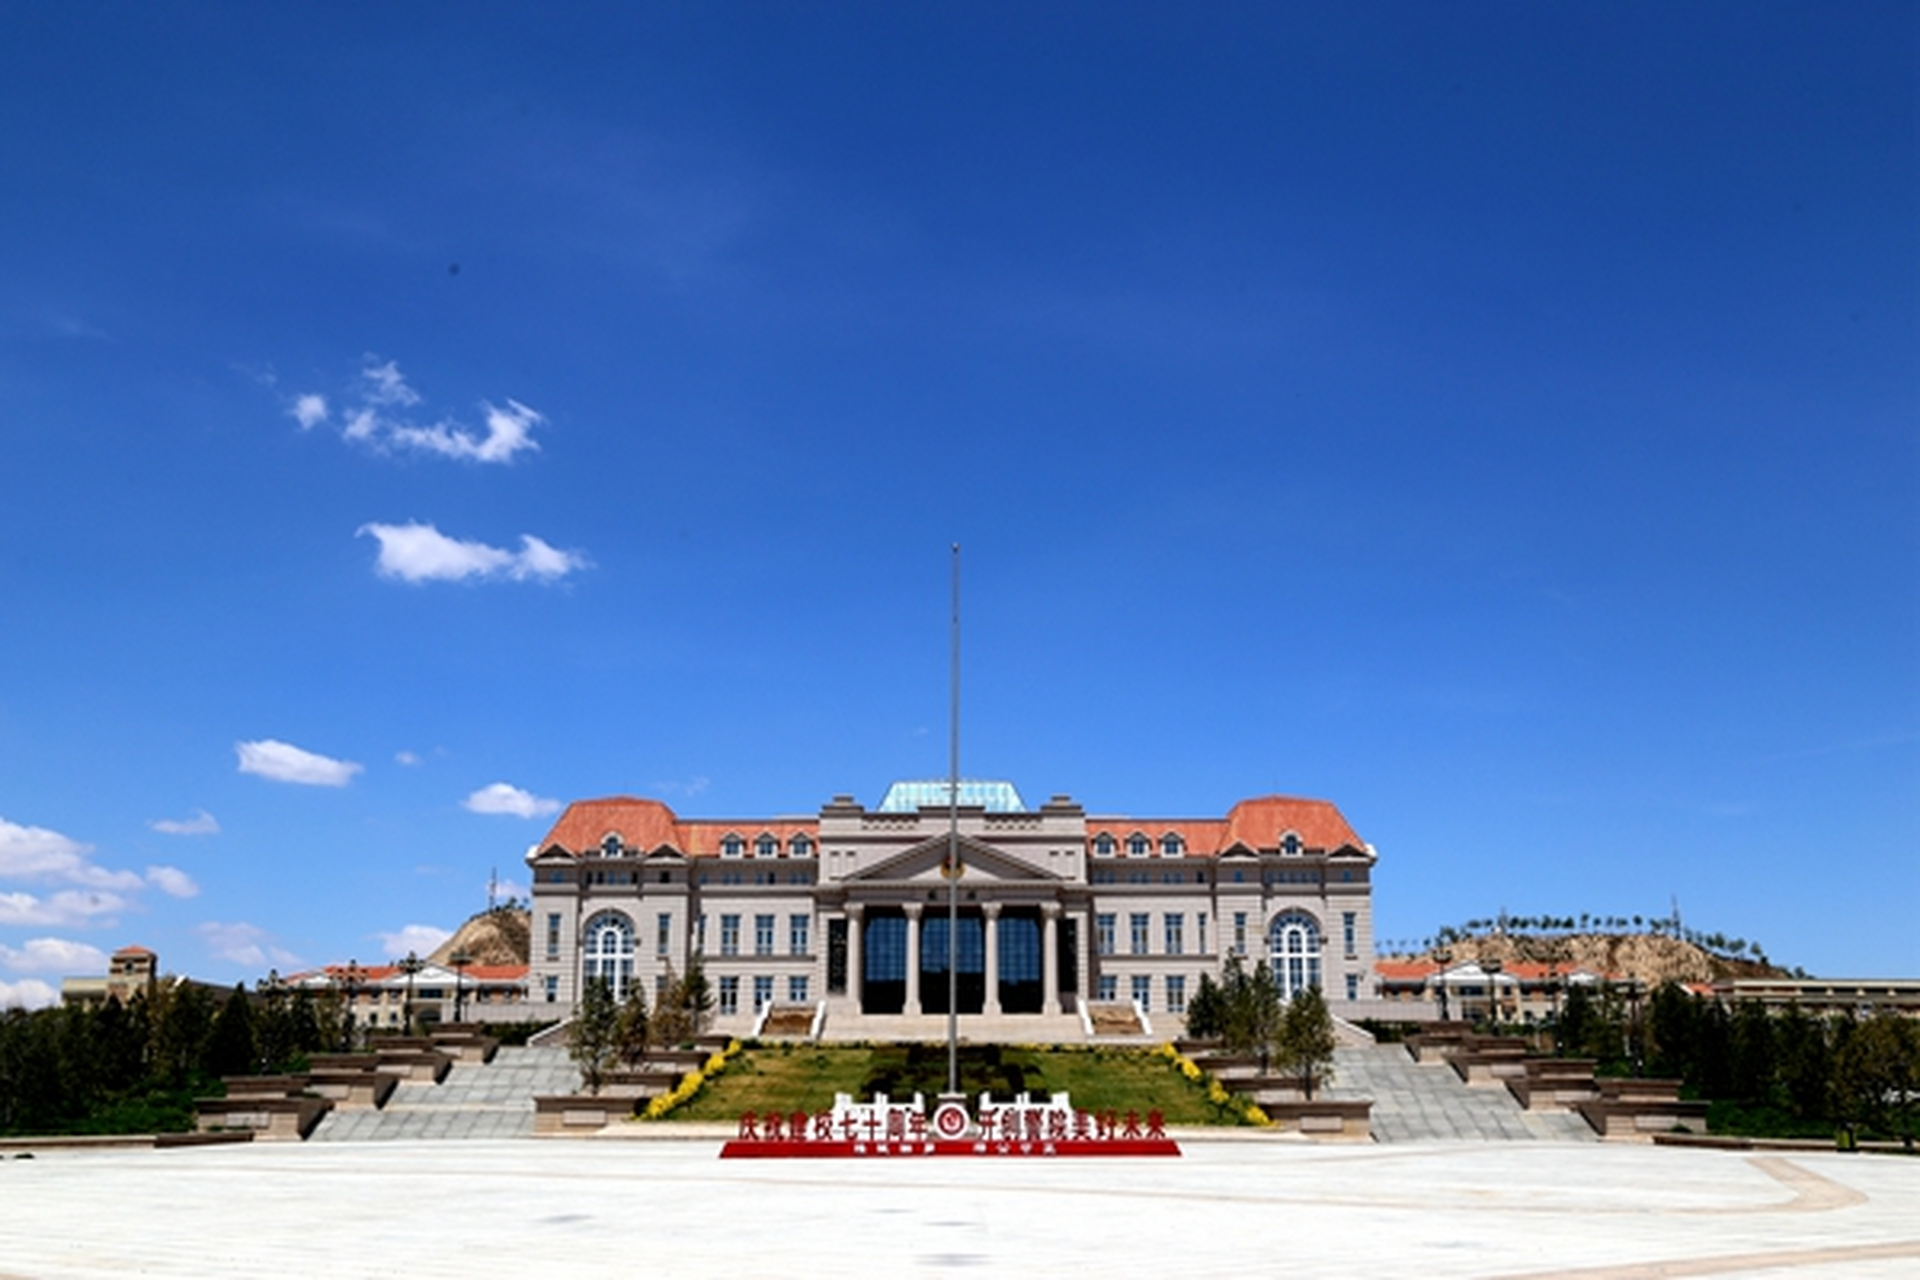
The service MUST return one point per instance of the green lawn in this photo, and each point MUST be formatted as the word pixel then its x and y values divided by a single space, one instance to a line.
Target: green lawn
pixel 790 1078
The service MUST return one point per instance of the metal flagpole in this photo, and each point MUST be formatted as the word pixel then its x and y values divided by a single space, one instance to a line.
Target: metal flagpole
pixel 953 844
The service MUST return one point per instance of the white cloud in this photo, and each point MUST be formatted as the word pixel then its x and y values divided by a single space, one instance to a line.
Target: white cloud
pixel 309 410
pixel 284 762
pixel 406 757
pixel 28 993
pixel 37 853
pixel 416 552
pixel 201 823
pixel 244 944
pixel 377 418
pixel 53 955
pixel 420 939
pixel 504 798
pixel 173 882
pixel 67 907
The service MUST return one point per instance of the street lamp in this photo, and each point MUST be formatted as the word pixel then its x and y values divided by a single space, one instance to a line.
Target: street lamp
pixel 410 966
pixel 1442 958
pixel 460 960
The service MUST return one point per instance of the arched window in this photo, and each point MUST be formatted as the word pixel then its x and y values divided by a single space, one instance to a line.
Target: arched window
pixel 1170 844
pixel 1103 845
pixel 610 844
pixel 1293 950
pixel 800 847
pixel 609 952
pixel 732 846
pixel 1136 845
pixel 1290 844
pixel 766 847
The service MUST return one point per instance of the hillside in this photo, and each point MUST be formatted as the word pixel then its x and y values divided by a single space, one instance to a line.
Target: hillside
pixel 1652 958
pixel 500 936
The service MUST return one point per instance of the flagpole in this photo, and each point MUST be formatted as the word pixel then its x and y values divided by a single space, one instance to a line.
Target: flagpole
pixel 953 843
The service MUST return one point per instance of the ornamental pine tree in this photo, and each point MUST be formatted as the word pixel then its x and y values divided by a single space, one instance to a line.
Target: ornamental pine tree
pixel 591 1041
pixel 1306 1038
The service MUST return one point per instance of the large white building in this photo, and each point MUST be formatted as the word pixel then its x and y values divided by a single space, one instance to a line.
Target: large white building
pixel 846 911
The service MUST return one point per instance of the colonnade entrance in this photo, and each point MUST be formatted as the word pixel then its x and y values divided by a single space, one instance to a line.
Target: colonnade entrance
pixel 1008 959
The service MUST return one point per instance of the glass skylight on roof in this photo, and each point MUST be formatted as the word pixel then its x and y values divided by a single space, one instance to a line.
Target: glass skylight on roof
pixel 990 794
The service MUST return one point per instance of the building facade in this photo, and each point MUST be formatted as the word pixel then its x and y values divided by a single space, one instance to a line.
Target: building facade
pixel 847 910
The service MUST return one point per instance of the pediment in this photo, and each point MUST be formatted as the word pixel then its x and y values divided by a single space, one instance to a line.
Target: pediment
pixel 982 862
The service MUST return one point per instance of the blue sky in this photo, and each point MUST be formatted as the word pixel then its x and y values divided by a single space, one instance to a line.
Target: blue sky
pixel 1497 419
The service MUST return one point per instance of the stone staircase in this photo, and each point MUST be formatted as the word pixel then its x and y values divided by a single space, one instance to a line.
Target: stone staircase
pixel 1426 1102
pixel 975 1028
pixel 475 1100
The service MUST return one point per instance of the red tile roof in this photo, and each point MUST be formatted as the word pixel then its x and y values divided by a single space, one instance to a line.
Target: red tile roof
pixel 1259 823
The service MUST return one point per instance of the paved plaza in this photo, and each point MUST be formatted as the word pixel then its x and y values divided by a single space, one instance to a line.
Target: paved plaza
pixel 1247 1207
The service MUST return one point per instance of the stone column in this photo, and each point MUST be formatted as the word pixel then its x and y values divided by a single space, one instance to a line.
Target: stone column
pixel 1050 957
pixel 913 910
pixel 855 961
pixel 990 921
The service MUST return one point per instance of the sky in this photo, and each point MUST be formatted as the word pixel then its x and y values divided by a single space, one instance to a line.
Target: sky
pixel 1498 419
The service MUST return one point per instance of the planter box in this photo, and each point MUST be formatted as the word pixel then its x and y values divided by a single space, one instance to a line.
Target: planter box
pixel 1325 1119
pixel 577 1115
pixel 268 1119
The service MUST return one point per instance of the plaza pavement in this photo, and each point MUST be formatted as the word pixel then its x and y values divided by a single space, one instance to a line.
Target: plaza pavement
pixel 636 1203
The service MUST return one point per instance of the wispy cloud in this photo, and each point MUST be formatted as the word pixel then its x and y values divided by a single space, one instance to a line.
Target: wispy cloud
pixel 406 757
pixel 243 944
pixel 284 762
pixel 418 939
pixel 53 955
pixel 28 993
pixel 44 855
pixel 415 552
pixel 173 882
pixel 504 798
pixel 200 824
pixel 67 907
pixel 377 414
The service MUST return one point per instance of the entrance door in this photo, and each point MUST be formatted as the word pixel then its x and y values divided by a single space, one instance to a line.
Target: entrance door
pixel 1020 980
pixel 971 946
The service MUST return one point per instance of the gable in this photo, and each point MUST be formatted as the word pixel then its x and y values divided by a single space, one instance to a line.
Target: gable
pixel 981 862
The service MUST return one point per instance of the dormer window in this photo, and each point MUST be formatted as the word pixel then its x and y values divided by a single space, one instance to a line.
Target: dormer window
pixel 766 847
pixel 1170 844
pixel 1136 845
pixel 1103 845
pixel 610 845
pixel 1290 844
pixel 800 847
pixel 732 847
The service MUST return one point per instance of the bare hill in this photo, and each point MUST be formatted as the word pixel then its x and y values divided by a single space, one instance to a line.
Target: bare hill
pixel 1652 958
pixel 500 936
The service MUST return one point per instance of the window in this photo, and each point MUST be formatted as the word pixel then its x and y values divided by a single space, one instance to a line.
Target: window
pixel 762 992
pixel 551 983
pixel 763 935
pixel 1103 845
pixel 1347 930
pixel 553 935
pixel 1353 986
pixel 609 951
pixel 1176 933
pixel 797 989
pixel 1143 991
pixel 1137 930
pixel 800 847
pixel 1170 844
pixel 1176 994
pixel 766 847
pixel 1200 933
pixel 700 934
pixel 1290 844
pixel 1107 989
pixel 1239 875
pixel 731 847
pixel 729 997
pixel 729 935
pixel 1293 946
pixel 797 934
pixel 1103 933
pixel 1136 845
pixel 1239 933
pixel 1103 875
pixel 663 933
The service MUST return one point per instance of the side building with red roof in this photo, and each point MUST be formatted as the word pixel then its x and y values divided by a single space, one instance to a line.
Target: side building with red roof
pixel 850 912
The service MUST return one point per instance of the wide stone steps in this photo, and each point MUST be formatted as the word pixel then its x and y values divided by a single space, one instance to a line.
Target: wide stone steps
pixel 1416 1102
pixel 476 1100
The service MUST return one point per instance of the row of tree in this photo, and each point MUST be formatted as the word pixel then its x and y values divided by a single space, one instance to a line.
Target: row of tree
pixel 136 1067
pixel 1785 1071
pixel 1247 1012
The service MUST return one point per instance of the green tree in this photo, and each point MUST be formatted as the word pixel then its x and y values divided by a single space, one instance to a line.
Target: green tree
pixel 632 1029
pixel 1671 1015
pixel 1805 1064
pixel 1306 1040
pixel 230 1047
pixel 1877 1075
pixel 1206 1012
pixel 1252 1009
pixel 590 1040
pixel 1751 1063
pixel 1573 1034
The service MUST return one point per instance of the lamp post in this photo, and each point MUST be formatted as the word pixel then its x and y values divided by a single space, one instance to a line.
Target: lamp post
pixel 460 960
pixel 347 978
pixel 1442 958
pixel 410 966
